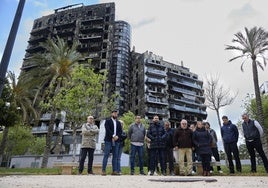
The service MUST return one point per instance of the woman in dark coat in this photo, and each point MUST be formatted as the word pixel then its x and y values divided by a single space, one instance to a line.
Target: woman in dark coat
pixel 202 141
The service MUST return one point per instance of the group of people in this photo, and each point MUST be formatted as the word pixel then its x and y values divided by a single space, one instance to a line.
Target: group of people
pixel 186 144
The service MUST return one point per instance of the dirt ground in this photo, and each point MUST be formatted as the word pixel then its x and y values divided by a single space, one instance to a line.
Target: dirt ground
pixel 97 181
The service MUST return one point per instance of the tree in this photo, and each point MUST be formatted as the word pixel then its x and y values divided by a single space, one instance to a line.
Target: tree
pixel 217 96
pixel 253 45
pixel 53 68
pixel 37 145
pixel 19 140
pixel 8 116
pixel 22 99
pixel 80 97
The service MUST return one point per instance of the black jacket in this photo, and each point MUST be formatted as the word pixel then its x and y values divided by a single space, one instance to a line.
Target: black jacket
pixel 156 133
pixel 109 130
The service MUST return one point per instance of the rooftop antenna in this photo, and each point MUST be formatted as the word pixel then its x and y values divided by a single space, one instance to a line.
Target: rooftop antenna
pixel 182 63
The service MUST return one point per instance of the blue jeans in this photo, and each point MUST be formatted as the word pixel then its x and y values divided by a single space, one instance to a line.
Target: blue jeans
pixel 133 150
pixel 108 146
pixel 120 151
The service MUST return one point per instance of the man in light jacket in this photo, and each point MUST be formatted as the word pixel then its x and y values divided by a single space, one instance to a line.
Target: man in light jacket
pixel 89 133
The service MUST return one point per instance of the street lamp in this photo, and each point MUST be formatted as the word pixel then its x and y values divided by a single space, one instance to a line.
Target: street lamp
pixel 9 45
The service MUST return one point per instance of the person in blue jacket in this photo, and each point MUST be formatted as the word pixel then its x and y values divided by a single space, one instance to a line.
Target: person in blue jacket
pixel 229 133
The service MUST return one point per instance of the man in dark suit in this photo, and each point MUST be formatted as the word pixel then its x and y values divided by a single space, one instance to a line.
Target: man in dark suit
pixel 113 131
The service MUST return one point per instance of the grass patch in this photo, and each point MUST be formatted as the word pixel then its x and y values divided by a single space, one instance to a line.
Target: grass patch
pixel 29 171
pixel 125 171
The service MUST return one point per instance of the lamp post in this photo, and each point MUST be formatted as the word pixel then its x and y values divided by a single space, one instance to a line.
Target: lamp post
pixel 9 45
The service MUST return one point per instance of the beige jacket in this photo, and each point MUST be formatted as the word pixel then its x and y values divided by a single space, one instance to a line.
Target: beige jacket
pixel 89 134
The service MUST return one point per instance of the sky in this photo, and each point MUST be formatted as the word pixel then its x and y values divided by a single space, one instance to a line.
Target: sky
pixel 192 31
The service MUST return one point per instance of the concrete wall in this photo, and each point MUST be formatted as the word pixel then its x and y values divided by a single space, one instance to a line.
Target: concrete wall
pixel 33 161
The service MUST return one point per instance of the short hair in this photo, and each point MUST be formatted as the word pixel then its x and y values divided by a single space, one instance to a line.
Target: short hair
pixel 167 122
pixel 90 117
pixel 245 114
pixel 224 117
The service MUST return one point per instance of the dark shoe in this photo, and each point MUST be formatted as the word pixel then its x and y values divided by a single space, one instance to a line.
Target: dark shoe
pixel 231 172
pixel 181 174
pixel 204 173
pixel 115 174
pixel 171 173
pixel 189 174
pixel 103 173
pixel 253 171
pixel 152 173
pixel 142 173
pixel 131 173
pixel 239 170
pixel 90 173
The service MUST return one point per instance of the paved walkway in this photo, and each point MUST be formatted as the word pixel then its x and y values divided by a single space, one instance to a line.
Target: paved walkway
pixel 127 181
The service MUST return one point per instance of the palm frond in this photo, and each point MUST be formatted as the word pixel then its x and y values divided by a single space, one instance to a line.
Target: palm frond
pixel 234 58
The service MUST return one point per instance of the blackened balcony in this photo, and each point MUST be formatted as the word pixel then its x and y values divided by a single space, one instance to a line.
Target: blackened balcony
pixel 156 81
pixel 156 72
pixel 155 100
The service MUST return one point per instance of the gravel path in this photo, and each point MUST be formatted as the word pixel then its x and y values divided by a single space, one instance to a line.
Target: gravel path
pixel 127 181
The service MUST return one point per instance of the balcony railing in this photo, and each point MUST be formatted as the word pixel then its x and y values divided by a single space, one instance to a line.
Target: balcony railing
pixel 183 90
pixel 156 72
pixel 157 101
pixel 155 80
pixel 187 109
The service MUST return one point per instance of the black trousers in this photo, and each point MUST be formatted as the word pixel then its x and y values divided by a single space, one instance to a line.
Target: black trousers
pixel 168 158
pixel 205 158
pixel 216 155
pixel 83 155
pixel 256 145
pixel 231 148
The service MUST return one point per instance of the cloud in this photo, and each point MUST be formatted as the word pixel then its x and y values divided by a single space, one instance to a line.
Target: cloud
pixel 37 3
pixel 46 12
pixel 243 16
pixel 143 23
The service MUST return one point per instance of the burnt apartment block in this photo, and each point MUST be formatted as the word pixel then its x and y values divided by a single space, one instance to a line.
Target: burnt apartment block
pixel 165 89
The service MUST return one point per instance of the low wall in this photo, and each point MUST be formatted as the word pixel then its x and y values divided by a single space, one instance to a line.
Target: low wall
pixel 34 161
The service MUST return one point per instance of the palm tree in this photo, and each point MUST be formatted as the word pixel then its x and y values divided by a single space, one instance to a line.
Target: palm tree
pixel 53 69
pixel 253 45
pixel 22 99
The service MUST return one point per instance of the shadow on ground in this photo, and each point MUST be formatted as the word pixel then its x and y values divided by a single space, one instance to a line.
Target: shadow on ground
pixel 183 180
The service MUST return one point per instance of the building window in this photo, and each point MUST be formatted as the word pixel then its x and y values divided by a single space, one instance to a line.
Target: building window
pixel 103 55
pixel 103 65
pixel 108 10
pixel 89 13
pixel 105 36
